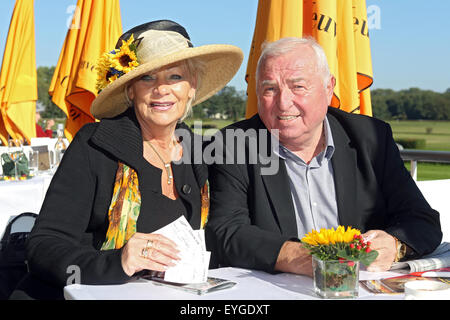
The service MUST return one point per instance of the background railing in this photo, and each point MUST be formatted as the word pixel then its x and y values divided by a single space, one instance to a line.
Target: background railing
pixel 423 156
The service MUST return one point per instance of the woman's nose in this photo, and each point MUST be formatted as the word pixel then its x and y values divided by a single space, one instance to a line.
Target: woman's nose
pixel 161 88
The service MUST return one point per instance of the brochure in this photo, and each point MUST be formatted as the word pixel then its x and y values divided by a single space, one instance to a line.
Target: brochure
pixel 396 285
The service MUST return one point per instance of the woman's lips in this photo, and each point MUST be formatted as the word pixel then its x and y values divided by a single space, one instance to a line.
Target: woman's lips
pixel 161 106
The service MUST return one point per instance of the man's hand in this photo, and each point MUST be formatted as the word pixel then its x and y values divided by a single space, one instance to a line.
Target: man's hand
pixel 384 243
pixel 294 258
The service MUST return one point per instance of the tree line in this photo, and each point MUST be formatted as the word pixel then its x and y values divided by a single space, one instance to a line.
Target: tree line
pixel 229 103
pixel 410 104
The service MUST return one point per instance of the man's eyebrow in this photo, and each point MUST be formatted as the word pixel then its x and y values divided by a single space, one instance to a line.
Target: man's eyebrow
pixel 297 79
pixel 268 82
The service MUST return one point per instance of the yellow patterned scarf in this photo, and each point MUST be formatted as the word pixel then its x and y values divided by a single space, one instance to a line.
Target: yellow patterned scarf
pixel 126 204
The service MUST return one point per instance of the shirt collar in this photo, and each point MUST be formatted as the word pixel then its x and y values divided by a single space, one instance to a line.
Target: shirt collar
pixel 283 152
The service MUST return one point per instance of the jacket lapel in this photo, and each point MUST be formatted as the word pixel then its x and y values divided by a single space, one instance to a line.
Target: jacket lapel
pixel 121 137
pixel 344 167
pixel 200 171
pixel 279 192
pixel 277 186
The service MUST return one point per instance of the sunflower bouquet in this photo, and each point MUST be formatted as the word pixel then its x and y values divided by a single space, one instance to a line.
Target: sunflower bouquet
pixel 339 244
pixel 336 256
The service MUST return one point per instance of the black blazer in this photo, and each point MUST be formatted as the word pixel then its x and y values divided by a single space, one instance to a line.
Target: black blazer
pixel 73 221
pixel 252 215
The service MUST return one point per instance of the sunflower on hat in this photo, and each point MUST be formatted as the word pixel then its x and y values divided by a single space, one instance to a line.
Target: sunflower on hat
pixel 112 65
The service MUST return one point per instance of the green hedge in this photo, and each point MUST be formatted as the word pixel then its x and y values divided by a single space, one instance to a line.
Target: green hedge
pixel 411 143
pixel 206 126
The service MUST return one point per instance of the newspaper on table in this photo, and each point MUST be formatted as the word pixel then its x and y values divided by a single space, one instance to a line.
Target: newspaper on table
pixel 439 258
pixel 194 263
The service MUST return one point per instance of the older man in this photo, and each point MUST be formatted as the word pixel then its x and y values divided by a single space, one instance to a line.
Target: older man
pixel 334 168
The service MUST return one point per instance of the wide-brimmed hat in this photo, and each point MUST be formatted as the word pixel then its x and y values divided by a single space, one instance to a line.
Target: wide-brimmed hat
pixel 152 46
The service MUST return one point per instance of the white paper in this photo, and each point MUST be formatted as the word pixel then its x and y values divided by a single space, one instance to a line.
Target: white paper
pixel 194 263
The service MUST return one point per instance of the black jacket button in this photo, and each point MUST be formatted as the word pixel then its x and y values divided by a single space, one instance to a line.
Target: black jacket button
pixel 186 189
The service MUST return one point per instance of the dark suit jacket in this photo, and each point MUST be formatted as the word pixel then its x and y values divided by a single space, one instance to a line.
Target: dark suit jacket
pixel 252 215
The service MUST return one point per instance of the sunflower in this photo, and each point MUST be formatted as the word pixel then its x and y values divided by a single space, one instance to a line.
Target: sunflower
pixel 125 58
pixel 103 70
pixel 330 236
pixel 112 65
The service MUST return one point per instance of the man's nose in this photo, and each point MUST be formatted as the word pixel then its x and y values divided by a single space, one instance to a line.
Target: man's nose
pixel 285 99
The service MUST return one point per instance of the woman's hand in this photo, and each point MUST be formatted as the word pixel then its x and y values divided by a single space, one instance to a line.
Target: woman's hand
pixel 161 253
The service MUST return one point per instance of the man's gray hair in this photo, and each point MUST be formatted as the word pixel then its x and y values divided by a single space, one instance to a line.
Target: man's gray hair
pixel 289 44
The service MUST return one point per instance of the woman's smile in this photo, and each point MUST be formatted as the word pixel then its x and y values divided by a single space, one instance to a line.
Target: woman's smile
pixel 161 106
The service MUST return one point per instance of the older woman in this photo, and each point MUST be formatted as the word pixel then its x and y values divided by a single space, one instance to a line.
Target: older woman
pixel 120 179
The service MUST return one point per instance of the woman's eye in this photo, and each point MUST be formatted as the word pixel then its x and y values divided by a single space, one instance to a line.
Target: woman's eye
pixel 147 77
pixel 175 76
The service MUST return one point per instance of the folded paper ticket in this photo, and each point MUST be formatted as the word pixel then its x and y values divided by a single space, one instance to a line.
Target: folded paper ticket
pixel 194 263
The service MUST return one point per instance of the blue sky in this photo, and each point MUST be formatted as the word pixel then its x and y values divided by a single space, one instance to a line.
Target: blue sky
pixel 410 45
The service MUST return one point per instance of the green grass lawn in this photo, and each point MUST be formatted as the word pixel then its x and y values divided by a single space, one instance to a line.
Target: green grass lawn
pixel 431 171
pixel 437 139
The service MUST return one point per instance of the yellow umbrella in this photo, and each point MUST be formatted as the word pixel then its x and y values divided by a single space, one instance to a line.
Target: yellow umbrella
pixel 340 27
pixel 95 28
pixel 18 79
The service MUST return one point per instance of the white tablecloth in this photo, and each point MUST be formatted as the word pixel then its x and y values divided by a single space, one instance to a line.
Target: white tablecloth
pixel 251 285
pixel 437 193
pixel 21 196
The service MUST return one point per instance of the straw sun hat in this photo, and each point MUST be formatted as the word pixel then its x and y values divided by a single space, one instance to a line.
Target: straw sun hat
pixel 154 45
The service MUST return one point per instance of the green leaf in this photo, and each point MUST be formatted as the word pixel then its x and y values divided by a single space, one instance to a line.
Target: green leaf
pixel 368 258
pixel 345 255
pixel 133 47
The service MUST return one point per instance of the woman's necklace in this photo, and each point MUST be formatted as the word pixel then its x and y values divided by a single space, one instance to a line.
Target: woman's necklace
pixel 166 164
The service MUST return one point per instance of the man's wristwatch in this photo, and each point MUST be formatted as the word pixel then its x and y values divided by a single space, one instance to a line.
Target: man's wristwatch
pixel 402 250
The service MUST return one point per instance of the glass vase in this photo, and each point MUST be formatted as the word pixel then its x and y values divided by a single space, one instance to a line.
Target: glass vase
pixel 336 279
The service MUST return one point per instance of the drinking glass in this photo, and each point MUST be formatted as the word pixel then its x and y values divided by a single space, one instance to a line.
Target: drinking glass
pixel 33 162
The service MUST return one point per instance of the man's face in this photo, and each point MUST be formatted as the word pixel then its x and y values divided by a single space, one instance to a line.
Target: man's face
pixel 292 97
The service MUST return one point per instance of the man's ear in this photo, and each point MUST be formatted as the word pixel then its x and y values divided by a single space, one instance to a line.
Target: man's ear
pixel 330 88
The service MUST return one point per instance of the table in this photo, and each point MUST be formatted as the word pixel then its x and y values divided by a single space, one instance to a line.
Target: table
pixel 251 285
pixel 436 192
pixel 22 196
